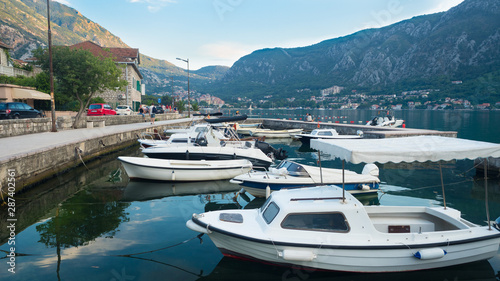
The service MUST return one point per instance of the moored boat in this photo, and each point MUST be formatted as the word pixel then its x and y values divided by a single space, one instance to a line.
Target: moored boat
pixel 322 228
pixel 290 174
pixel 325 134
pixel 329 229
pixel 183 170
pixel 268 133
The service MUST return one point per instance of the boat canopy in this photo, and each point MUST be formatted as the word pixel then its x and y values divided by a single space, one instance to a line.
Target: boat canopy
pixel 406 149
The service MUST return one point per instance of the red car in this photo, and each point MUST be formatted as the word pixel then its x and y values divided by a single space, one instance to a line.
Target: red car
pixel 99 109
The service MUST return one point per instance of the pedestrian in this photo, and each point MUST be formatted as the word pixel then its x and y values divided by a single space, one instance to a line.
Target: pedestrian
pixel 153 113
pixel 141 112
pixel 309 117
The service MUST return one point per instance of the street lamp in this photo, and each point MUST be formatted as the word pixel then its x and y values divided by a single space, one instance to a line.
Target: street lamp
pixel 189 101
pixel 51 72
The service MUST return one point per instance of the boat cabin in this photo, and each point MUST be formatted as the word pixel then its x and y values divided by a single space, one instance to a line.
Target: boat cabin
pixel 326 211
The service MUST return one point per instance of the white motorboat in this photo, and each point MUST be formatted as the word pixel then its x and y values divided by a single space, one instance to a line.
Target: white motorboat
pixel 385 121
pixel 268 133
pixel 329 229
pixel 179 136
pixel 183 170
pixel 326 134
pixel 290 174
pixel 209 146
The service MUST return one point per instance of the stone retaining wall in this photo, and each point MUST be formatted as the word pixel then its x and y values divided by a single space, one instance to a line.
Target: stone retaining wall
pixel 16 127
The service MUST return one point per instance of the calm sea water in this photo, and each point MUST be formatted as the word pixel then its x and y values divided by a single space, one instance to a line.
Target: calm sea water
pixel 94 224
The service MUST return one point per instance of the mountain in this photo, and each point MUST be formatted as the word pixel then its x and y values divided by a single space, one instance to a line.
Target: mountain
pixel 23 25
pixel 427 51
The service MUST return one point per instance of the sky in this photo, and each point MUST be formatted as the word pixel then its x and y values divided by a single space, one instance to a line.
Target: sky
pixel 219 32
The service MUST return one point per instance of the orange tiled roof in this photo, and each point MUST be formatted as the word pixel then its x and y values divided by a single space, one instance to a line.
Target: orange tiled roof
pixel 118 54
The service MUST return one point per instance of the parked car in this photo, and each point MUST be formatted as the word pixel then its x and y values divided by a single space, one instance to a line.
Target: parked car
pixel 99 109
pixel 159 110
pixel 124 110
pixel 16 110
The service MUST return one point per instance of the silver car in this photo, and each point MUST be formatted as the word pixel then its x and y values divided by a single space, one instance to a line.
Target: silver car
pixel 124 110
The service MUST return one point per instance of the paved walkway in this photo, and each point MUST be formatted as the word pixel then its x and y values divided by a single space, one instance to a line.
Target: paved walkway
pixel 17 146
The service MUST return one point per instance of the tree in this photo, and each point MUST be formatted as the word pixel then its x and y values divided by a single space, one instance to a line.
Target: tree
pixel 80 74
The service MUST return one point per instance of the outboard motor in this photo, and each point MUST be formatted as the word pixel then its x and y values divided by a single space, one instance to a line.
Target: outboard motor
pixel 370 169
pixel 496 224
pixel 279 154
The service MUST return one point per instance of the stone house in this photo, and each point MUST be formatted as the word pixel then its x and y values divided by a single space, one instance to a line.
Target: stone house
pixel 129 57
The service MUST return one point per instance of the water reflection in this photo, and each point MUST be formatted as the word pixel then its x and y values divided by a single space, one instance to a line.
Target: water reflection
pixel 147 190
pixel 228 268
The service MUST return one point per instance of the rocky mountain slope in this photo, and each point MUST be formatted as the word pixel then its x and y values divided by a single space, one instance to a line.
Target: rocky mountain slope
pixel 23 25
pixel 425 51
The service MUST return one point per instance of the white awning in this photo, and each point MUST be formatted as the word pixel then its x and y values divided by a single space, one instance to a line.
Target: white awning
pixel 407 149
pixel 25 94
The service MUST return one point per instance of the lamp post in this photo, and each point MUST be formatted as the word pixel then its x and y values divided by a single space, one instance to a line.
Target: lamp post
pixel 189 101
pixel 51 72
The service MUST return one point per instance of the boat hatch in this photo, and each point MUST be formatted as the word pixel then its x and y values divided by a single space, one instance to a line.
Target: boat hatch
pixel 331 222
pixel 293 169
pixel 236 218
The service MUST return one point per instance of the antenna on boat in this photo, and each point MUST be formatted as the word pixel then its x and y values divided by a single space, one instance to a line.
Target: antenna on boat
pixel 343 180
pixel 442 184
pixel 320 170
pixel 485 161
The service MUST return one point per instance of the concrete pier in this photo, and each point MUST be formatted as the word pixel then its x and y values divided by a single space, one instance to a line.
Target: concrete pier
pixel 371 132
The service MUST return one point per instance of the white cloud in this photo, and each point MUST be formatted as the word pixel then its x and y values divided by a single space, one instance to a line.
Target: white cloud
pixel 65 2
pixel 225 51
pixel 154 5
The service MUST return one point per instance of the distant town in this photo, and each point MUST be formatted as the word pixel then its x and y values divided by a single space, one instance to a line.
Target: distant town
pixel 335 98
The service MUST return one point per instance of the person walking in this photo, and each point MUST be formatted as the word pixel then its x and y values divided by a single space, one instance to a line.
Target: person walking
pixel 153 113
pixel 141 112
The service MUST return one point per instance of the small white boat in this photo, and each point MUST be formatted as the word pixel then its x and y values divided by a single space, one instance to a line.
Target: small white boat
pixel 385 121
pixel 290 174
pixel 326 228
pixel 268 133
pixel 317 228
pixel 183 170
pixel 326 134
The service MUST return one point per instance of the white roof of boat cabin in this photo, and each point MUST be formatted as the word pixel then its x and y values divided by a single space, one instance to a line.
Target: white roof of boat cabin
pixel 406 149
pixel 313 199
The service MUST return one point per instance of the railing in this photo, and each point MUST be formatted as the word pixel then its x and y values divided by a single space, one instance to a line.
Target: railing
pixel 12 71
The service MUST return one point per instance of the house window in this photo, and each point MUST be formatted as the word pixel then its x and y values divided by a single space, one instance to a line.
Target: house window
pixel 139 86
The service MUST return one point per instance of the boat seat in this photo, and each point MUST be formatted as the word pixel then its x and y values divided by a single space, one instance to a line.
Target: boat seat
pixel 402 225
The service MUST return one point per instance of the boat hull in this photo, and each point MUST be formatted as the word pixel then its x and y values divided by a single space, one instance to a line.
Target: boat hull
pixel 388 257
pixel 182 170
pixel 258 189
pixel 366 261
pixel 255 156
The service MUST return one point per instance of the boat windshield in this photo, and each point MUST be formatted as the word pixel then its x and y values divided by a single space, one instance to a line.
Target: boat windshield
pixel 333 222
pixel 293 169
pixel 270 212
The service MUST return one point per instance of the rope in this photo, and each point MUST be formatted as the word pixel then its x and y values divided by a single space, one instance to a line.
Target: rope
pixel 152 251
pixel 79 152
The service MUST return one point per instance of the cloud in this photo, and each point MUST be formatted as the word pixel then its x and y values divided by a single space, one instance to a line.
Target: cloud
pixel 65 2
pixel 154 5
pixel 225 51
